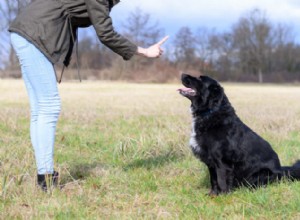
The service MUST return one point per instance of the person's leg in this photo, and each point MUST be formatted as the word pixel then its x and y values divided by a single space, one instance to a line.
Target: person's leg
pixel 40 80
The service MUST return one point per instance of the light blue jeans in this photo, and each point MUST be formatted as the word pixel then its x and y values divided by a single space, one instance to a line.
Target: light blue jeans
pixel 40 81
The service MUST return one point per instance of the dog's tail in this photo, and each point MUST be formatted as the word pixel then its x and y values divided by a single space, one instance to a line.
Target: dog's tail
pixel 292 172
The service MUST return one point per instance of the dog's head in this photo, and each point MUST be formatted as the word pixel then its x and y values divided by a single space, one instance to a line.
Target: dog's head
pixel 205 93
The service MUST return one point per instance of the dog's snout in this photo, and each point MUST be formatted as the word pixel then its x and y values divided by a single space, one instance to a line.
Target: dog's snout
pixel 183 76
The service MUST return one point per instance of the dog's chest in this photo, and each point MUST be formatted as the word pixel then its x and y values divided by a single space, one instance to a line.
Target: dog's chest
pixel 196 148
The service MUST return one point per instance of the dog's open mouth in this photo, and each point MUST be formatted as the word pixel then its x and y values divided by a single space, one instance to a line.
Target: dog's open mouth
pixel 187 92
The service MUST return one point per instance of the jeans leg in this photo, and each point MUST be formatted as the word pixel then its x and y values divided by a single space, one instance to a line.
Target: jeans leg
pixel 33 110
pixel 40 80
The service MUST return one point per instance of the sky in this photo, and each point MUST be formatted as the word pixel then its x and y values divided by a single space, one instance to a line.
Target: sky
pixel 213 14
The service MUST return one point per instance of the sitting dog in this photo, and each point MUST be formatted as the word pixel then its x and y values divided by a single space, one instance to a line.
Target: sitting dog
pixel 234 154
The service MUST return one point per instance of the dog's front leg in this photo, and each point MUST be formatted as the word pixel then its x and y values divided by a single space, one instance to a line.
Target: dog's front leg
pixel 225 179
pixel 213 182
pixel 230 179
pixel 222 179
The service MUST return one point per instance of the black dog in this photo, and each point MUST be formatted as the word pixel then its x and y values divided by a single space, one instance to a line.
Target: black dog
pixel 234 154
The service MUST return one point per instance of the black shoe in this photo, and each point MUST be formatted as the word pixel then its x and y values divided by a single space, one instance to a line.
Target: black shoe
pixel 47 181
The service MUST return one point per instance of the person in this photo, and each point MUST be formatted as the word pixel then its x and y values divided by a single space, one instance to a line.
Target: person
pixel 43 34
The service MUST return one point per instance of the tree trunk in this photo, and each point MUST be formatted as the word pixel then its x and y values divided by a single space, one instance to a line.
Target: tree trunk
pixel 260 76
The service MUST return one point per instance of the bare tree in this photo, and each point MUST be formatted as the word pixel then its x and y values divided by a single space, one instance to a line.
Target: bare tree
pixel 285 55
pixel 8 11
pixel 203 49
pixel 254 40
pixel 207 48
pixel 226 58
pixel 185 47
pixel 142 30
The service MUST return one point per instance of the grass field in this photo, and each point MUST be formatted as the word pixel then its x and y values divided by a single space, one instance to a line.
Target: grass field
pixel 122 151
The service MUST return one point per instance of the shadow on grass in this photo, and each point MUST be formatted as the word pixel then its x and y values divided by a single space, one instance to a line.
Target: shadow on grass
pixel 81 171
pixel 154 161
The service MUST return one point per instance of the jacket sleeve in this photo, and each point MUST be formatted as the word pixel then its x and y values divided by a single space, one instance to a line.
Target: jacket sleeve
pixel 98 11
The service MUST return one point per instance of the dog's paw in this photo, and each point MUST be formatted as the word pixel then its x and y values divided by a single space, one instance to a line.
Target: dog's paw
pixel 213 193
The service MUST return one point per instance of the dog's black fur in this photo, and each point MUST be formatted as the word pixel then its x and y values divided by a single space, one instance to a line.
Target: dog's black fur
pixel 234 154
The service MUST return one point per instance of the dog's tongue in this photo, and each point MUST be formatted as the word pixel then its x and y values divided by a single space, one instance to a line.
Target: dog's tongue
pixel 185 90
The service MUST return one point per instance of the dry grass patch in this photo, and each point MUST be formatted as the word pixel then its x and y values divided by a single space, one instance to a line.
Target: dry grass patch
pixel 122 153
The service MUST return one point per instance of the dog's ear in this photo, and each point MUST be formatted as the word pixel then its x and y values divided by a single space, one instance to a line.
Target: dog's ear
pixel 216 94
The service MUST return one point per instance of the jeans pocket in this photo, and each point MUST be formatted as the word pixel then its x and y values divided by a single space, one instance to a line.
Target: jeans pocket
pixel 18 42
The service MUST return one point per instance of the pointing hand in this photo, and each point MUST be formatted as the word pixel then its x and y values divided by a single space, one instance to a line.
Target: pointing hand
pixel 153 51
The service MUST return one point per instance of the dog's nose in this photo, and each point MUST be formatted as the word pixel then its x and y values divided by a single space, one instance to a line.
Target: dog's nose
pixel 183 75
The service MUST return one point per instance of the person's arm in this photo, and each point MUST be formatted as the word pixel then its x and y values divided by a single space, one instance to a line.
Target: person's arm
pixel 98 11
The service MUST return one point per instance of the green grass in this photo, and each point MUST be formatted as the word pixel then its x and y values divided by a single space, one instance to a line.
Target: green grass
pixel 122 152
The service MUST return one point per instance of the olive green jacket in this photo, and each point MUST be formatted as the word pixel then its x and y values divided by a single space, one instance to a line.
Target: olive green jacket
pixel 51 25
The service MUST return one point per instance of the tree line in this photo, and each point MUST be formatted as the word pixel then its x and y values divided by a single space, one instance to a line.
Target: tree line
pixel 253 49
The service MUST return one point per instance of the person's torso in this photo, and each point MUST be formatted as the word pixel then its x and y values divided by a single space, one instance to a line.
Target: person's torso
pixel 51 25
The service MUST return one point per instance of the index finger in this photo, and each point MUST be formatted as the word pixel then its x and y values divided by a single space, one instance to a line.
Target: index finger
pixel 163 40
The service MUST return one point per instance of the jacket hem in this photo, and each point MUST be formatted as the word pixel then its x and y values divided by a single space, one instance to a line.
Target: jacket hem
pixel 31 40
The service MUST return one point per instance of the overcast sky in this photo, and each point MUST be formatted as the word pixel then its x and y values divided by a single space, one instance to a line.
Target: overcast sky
pixel 218 14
